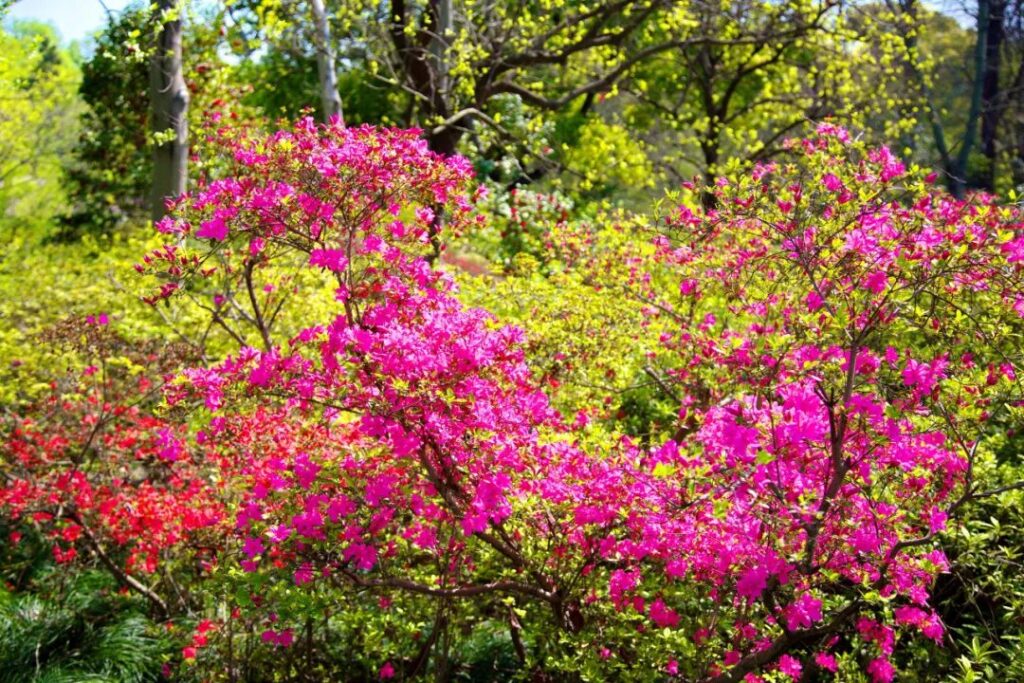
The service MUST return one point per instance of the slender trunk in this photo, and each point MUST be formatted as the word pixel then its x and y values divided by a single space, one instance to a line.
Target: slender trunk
pixel 169 98
pixel 442 15
pixel 446 141
pixel 445 144
pixel 958 174
pixel 991 93
pixel 710 149
pixel 910 32
pixel 1017 92
pixel 330 100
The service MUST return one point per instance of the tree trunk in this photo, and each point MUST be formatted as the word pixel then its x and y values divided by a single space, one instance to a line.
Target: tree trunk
pixel 991 93
pixel 169 98
pixel 330 100
pixel 423 58
pixel 958 174
pixel 446 141
pixel 442 10
pixel 710 148
pixel 908 34
pixel 1017 119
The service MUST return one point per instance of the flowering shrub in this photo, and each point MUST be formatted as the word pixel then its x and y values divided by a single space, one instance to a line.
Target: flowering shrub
pixel 95 470
pixel 402 431
pixel 299 200
pixel 846 336
pixel 837 339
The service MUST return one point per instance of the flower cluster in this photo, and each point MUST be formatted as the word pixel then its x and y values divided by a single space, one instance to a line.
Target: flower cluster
pixel 94 470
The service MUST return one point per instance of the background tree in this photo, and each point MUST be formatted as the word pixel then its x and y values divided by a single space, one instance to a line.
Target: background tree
pixel 330 100
pixel 110 173
pixel 38 126
pixel 737 101
pixel 169 97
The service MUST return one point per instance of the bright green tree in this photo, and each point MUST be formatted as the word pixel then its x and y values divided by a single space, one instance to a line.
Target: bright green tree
pixel 38 111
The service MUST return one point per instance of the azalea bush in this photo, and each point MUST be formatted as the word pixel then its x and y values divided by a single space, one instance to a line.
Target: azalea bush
pixel 88 464
pixel 830 347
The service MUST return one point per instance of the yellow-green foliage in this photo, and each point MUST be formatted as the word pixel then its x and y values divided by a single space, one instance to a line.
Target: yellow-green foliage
pixel 607 155
pixel 909 69
pixel 588 338
pixel 42 284
pixel 38 124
